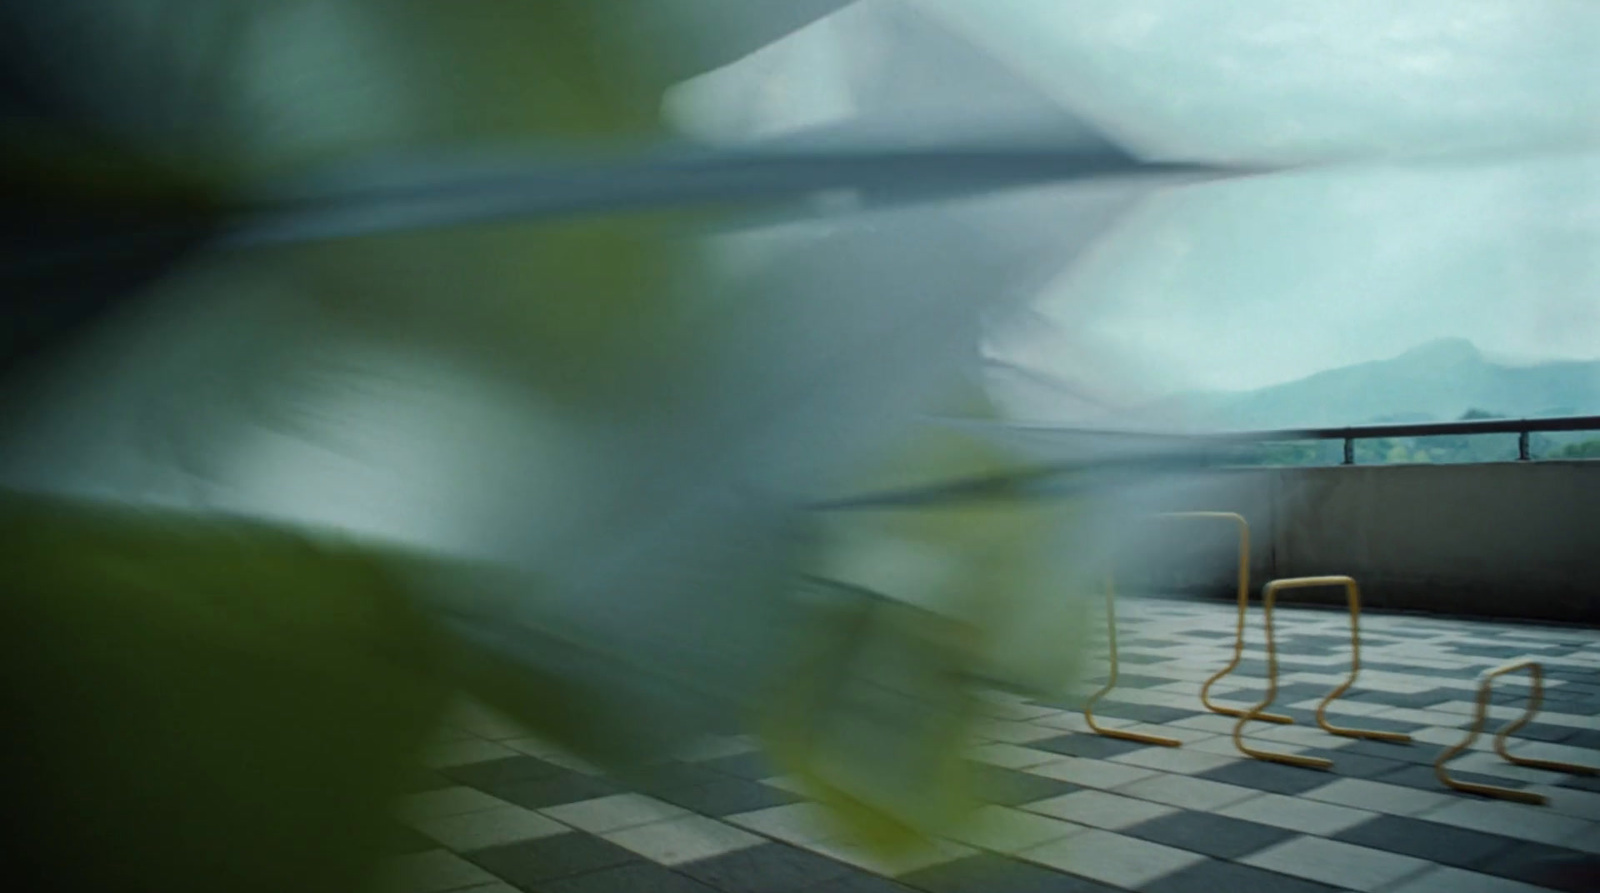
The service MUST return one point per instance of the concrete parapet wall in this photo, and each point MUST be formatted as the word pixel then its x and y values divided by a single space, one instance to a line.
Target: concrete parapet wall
pixel 1513 539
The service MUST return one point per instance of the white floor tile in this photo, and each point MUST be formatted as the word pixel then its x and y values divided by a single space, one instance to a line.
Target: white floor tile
pixel 1002 829
pixel 852 853
pixel 1306 816
pixel 1013 732
pixel 1223 746
pixel 793 822
pixel 1099 809
pixel 489 827
pixel 1215 723
pixel 1443 879
pixel 1568 801
pixel 1090 773
pixel 1112 858
pixel 1188 793
pixel 1012 756
pixel 1519 820
pixel 684 839
pixel 1341 865
pixel 1391 799
pixel 1185 761
pixel 613 813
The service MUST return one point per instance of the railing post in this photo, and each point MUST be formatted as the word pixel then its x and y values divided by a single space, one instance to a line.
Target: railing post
pixel 1522 446
pixel 1349 451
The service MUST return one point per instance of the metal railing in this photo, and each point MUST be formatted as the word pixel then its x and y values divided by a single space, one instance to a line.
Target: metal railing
pixel 1523 428
pixel 1189 454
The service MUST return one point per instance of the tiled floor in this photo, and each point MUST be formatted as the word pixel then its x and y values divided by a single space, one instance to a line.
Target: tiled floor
pixel 1079 812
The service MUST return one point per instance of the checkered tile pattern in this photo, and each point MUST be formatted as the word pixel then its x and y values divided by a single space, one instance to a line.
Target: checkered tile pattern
pixel 1073 811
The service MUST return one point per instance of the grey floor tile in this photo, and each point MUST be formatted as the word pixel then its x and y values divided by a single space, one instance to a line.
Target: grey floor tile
pixel 1300 813
pixel 1128 658
pixel 640 877
pixel 753 766
pixel 1423 778
pixel 1228 877
pixel 1502 652
pixel 484 775
pixel 1346 865
pixel 1211 835
pixel 993 874
pixel 1111 858
pixel 536 861
pixel 668 776
pixel 431 872
pixel 489 827
pixel 554 790
pixel 1377 724
pixel 1012 787
pixel 860 882
pixel 1100 809
pixel 727 796
pixel 1136 680
pixel 1327 641
pixel 1144 712
pixel 1587 738
pixel 1376 796
pixel 1444 879
pixel 401 840
pixel 1296 692
pixel 1538 731
pixel 1187 792
pixel 1264 776
pixel 1355 765
pixel 1096 747
pixel 422 780
pixel 1546 866
pixel 769 868
pixel 1530 823
pixel 1416 700
pixel 1580 783
pixel 1416 754
pixel 1444 844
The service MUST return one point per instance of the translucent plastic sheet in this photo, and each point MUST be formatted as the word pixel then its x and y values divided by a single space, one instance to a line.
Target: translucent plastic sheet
pixel 602 440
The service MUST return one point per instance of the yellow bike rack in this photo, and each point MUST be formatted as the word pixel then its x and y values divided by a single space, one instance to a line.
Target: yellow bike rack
pixel 1535 699
pixel 1244 604
pixel 1111 682
pixel 1269 595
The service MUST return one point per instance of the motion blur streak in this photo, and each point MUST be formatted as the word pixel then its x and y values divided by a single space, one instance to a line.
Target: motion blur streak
pixel 268 508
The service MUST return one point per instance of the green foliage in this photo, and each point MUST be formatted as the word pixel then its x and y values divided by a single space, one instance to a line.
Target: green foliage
pixel 1588 449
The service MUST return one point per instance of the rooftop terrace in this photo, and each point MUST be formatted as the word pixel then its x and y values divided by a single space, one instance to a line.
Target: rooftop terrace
pixel 1075 812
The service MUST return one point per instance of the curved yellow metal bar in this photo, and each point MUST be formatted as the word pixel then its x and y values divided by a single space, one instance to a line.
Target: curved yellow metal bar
pixel 1244 604
pixel 1272 756
pixel 1535 699
pixel 1269 596
pixel 1353 599
pixel 1111 682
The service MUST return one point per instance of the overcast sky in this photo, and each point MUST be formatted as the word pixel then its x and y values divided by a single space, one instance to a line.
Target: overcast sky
pixel 1244 284
pixel 1375 247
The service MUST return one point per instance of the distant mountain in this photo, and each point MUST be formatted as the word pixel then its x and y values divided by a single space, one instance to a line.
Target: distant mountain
pixel 1440 380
